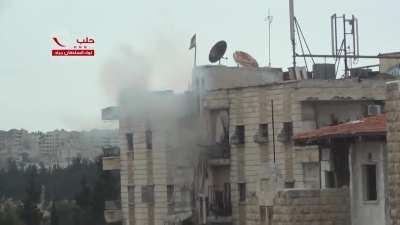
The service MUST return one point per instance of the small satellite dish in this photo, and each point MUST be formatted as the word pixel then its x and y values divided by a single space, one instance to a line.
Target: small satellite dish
pixel 217 51
pixel 244 59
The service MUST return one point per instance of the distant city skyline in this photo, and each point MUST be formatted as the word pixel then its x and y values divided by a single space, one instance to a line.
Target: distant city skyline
pixel 41 92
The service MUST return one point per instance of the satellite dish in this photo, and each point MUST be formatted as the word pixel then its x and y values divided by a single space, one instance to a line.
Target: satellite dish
pixel 244 59
pixel 217 51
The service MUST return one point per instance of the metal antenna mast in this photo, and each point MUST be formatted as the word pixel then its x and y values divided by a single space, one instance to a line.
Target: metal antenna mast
pixel 292 32
pixel 269 19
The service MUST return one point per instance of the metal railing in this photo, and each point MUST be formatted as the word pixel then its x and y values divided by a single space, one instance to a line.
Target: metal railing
pixel 114 204
pixel 111 151
pixel 218 151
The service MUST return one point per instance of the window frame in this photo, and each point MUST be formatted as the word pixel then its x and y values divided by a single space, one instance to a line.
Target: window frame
pixel 365 185
pixel 130 141
pixel 263 213
pixel 240 131
pixel 131 194
pixel 170 193
pixel 149 139
pixel 263 130
pixel 288 130
pixel 150 190
pixel 242 192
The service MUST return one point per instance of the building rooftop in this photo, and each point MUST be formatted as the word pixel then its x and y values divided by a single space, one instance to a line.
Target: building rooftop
pixel 374 125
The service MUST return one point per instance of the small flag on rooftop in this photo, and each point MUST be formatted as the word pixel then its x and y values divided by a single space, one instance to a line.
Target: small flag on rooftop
pixel 192 42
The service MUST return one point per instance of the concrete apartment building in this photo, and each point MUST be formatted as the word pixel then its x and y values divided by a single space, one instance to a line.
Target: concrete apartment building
pixel 50 145
pixel 59 147
pixel 245 167
pixel 262 120
pixel 18 145
pixel 155 159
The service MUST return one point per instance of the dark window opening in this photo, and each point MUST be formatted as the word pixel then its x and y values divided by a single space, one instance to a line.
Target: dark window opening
pixel 129 139
pixel 240 134
pixel 149 139
pixel 329 179
pixel 288 129
pixel 263 130
pixel 148 194
pixel 270 212
pixel 131 194
pixel 341 164
pixel 242 192
pixel 286 132
pixel 371 193
pixel 263 213
pixel 170 193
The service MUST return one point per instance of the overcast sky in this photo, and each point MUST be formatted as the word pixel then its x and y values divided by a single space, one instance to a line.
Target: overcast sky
pixel 41 92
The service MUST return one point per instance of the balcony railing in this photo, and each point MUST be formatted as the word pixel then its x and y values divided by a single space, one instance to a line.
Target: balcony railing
pixel 112 211
pixel 114 204
pixel 111 151
pixel 218 151
pixel 220 207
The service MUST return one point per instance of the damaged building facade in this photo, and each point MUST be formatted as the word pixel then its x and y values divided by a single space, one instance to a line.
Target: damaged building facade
pixel 223 153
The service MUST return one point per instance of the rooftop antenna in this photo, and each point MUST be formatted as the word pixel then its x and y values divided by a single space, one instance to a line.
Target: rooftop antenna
pixel 269 19
pixel 292 32
pixel 345 41
pixel 342 47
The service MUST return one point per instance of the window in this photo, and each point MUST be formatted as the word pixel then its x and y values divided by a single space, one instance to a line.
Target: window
pixel 148 194
pixel 288 129
pixel 131 195
pixel 287 132
pixel 270 212
pixel 170 193
pixel 264 184
pixel 329 179
pixel 149 139
pixel 263 213
pixel 369 177
pixel 242 192
pixel 263 130
pixel 240 134
pixel 129 140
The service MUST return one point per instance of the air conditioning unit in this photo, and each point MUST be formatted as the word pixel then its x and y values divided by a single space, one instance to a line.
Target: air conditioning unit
pixel 260 139
pixel 374 110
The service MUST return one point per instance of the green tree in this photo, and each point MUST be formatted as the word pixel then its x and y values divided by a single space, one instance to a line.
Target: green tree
pixel 54 214
pixel 9 216
pixel 30 213
pixel 82 215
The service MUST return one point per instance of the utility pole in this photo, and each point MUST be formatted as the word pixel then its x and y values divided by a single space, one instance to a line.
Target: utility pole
pixel 269 19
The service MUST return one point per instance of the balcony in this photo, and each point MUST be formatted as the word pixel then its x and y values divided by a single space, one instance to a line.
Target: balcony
pixel 220 208
pixel 111 158
pixel 112 211
pixel 218 154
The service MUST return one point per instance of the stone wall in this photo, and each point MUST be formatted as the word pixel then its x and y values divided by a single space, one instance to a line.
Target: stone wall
pixel 393 151
pixel 322 207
